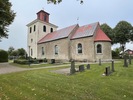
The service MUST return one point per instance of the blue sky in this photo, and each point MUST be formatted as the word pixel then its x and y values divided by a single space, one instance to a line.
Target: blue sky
pixel 66 14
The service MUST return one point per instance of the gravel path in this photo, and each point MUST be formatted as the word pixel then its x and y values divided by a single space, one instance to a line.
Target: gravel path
pixel 6 68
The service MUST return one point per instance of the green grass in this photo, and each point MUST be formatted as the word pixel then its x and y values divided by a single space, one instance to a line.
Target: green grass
pixel 89 85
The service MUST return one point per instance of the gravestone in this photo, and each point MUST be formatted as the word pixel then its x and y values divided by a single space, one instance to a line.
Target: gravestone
pixel 99 62
pixel 88 66
pixel 72 69
pixel 81 68
pixel 113 66
pixel 107 71
pixel 130 60
pixel 125 62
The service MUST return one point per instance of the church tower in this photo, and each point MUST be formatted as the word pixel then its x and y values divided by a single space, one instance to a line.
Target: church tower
pixel 36 30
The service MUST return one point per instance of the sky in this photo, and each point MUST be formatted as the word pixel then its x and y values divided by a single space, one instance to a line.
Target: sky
pixel 65 14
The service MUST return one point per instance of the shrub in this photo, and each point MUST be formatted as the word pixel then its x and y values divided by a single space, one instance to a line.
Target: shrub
pixel 3 56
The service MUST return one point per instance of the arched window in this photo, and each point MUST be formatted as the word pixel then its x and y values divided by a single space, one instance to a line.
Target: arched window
pixel 31 40
pixel 79 48
pixel 51 30
pixel 42 50
pixel 99 48
pixel 56 49
pixel 44 28
pixel 34 28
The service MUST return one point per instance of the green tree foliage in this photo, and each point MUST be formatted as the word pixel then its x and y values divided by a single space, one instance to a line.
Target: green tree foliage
pixel 3 56
pixel 21 52
pixel 6 17
pixel 58 1
pixel 123 33
pixel 10 50
pixel 108 31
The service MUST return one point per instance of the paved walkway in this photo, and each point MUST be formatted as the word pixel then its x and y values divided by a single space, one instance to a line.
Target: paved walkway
pixel 7 68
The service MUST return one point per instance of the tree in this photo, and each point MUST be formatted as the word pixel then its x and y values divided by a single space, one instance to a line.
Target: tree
pixel 123 33
pixel 6 17
pixel 108 31
pixel 58 1
pixel 10 50
pixel 21 52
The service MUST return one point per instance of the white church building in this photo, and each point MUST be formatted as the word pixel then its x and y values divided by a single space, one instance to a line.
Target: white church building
pixel 81 43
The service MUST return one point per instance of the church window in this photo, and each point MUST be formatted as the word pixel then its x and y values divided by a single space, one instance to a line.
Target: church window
pixel 56 50
pixel 31 40
pixel 30 29
pixel 42 50
pixel 99 48
pixel 45 18
pixel 34 28
pixel 44 28
pixel 51 30
pixel 79 48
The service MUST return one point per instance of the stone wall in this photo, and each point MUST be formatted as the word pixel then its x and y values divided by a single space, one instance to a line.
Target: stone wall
pixel 87 49
pixel 106 54
pixel 49 50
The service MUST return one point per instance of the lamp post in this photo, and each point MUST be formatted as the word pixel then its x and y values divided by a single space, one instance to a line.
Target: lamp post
pixel 29 55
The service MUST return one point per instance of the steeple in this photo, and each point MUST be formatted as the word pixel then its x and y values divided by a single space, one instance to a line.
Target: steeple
pixel 43 16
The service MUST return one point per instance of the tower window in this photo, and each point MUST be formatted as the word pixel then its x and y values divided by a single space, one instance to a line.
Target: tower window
pixel 99 48
pixel 34 28
pixel 51 30
pixel 44 28
pixel 56 50
pixel 30 29
pixel 31 40
pixel 79 48
pixel 45 18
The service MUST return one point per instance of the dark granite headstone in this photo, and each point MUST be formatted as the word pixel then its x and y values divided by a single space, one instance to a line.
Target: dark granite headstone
pixel 72 69
pixel 81 68
pixel 88 66
pixel 113 66
pixel 125 62
pixel 107 71
pixel 130 60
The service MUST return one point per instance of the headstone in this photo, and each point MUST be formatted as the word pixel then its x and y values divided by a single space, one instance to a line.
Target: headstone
pixel 107 71
pixel 113 66
pixel 125 62
pixel 72 69
pixel 99 62
pixel 81 68
pixel 88 66
pixel 130 60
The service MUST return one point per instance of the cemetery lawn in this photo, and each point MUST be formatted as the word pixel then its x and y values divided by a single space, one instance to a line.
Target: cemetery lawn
pixel 89 85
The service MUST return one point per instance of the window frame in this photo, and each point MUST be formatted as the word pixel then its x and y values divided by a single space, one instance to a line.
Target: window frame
pixel 99 48
pixel 79 48
pixel 42 49
pixel 44 28
pixel 56 50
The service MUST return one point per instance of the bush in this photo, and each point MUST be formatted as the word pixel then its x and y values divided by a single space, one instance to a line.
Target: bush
pixel 19 61
pixel 3 56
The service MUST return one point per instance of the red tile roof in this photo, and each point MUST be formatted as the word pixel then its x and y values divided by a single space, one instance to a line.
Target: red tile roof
pixel 63 33
pixel 101 36
pixel 84 31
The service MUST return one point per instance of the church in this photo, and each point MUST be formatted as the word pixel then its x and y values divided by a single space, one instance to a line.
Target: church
pixel 80 43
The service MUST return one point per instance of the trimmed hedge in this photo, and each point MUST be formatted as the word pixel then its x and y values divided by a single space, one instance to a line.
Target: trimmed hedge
pixel 3 56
